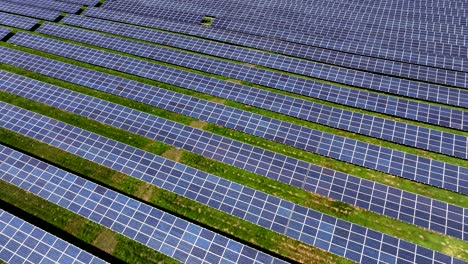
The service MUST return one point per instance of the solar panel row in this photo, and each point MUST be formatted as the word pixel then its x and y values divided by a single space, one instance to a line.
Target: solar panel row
pixel 333 21
pixel 175 15
pixel 367 80
pixel 299 5
pixel 49 4
pixel 243 12
pixel 154 228
pixel 28 11
pixel 420 135
pixel 389 17
pixel 389 38
pixel 83 2
pixel 376 102
pixel 17 21
pixel 379 158
pixel 449 63
pixel 329 233
pixel 21 242
pixel 376 197
pixel 4 32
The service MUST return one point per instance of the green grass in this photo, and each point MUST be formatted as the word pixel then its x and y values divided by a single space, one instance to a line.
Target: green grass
pixel 207 21
pixel 77 226
pixel 171 202
pixel 426 190
pixel 129 185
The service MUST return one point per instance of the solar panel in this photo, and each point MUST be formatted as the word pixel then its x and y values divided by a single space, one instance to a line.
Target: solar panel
pixel 28 11
pixel 351 97
pixel 450 63
pixel 4 32
pixel 411 71
pixel 187 17
pixel 17 21
pixel 342 119
pixel 21 242
pixel 82 2
pixel 395 38
pixel 254 12
pixel 147 225
pixel 421 59
pixel 398 204
pixel 371 156
pixel 49 4
pixel 326 232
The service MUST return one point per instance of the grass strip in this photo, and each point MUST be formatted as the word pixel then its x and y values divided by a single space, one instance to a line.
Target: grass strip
pixel 336 208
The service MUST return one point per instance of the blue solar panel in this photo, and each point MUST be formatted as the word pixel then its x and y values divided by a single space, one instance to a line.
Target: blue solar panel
pixel 170 15
pixel 49 4
pixel 326 232
pixel 29 11
pixel 154 228
pixel 21 242
pixel 421 59
pixel 82 2
pixel 17 21
pixel 357 98
pixel 411 71
pixel 4 32
pixel 347 120
pixel 369 195
pixel 443 62
pixel 375 157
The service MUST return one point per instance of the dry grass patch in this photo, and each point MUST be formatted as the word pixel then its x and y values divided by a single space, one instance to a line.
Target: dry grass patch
pixel 145 191
pixel 106 241
pixel 198 124
pixel 173 154
pixel 218 100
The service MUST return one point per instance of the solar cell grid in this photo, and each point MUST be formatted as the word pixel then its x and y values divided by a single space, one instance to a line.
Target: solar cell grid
pixel 361 99
pixel 342 117
pixel 28 11
pixel 386 37
pixel 371 156
pixel 449 63
pixel 21 242
pixel 4 32
pixel 298 222
pixel 291 171
pixel 82 2
pixel 154 228
pixel 168 14
pixel 346 13
pixel 369 81
pixel 49 4
pixel 17 21
pixel 242 10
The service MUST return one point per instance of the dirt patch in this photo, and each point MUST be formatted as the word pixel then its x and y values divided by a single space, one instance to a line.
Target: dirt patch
pixel 106 241
pixel 218 100
pixel 198 124
pixel 235 81
pixel 304 254
pixel 145 191
pixel 74 225
pixel 250 65
pixel 173 154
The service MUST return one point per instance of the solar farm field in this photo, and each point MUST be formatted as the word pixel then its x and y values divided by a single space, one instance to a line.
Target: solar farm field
pixel 233 131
